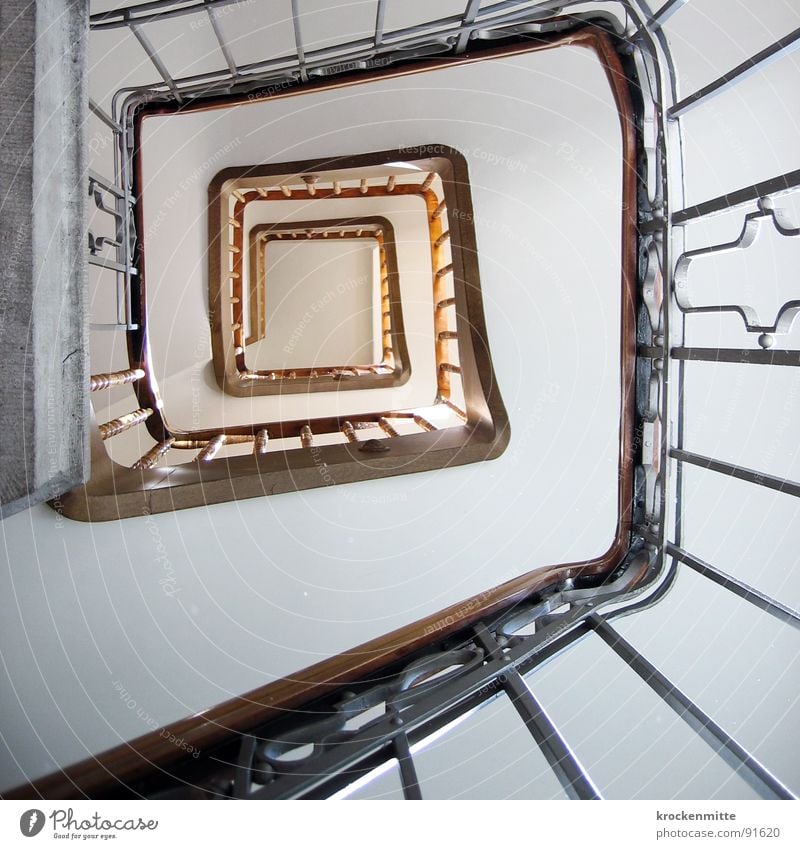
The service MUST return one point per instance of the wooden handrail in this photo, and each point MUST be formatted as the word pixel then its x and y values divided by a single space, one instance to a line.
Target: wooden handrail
pixel 368 229
pixel 286 429
pixel 439 259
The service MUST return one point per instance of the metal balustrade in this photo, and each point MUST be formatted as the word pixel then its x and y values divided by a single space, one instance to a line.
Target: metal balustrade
pixel 113 202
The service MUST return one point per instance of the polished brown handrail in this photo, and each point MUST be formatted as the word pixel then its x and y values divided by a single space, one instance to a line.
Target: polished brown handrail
pixel 244 380
pixel 244 196
pixel 390 371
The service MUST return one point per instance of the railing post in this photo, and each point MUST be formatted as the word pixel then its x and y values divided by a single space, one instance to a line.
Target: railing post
pixel 148 460
pixel 123 423
pixel 114 378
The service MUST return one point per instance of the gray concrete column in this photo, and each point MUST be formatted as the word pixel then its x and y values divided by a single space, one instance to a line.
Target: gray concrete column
pixel 43 319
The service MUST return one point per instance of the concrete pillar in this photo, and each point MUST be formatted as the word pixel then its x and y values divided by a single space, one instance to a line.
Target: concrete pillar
pixel 43 321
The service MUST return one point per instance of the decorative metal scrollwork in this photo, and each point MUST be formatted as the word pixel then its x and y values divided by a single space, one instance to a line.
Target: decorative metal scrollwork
pixel 753 223
pixel 98 243
pixel 278 765
pixel 262 761
pixel 653 280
